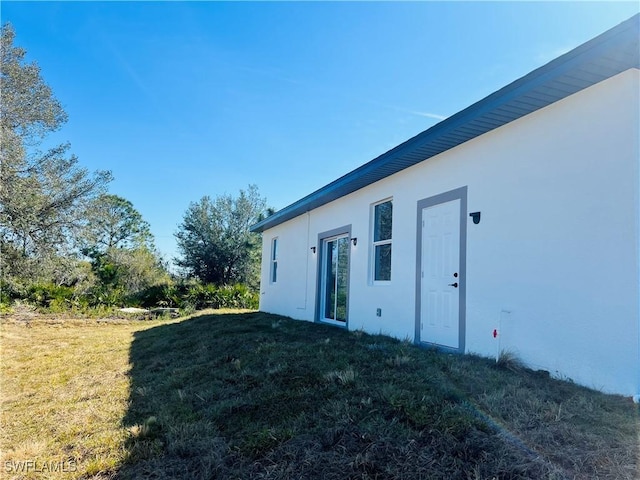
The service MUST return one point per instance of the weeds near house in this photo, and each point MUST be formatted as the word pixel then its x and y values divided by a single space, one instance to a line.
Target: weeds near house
pixel 510 361
pixel 248 395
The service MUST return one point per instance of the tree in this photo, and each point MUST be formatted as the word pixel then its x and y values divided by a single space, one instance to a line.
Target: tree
pixel 29 109
pixel 42 195
pixel 120 245
pixel 124 273
pixel 113 222
pixel 215 241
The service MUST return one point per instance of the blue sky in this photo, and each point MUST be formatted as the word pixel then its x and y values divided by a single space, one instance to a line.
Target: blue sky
pixel 185 99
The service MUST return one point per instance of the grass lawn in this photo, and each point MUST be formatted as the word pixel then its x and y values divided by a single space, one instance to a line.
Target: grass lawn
pixel 250 395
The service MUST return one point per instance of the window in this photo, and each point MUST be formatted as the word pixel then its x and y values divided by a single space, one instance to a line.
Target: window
pixel 274 260
pixel 382 221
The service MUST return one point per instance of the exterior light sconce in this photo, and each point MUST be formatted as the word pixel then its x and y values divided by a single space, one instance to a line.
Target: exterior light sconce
pixel 476 217
pixel 354 240
pixel 313 249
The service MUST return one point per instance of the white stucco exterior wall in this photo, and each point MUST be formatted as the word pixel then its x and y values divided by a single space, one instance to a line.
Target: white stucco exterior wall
pixel 557 246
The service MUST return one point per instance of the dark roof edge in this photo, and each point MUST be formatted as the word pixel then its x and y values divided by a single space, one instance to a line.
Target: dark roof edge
pixel 330 191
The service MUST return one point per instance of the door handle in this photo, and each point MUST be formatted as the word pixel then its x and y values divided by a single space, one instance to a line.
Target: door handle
pixel 454 285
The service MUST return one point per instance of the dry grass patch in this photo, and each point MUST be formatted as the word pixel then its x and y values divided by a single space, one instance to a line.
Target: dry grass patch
pixel 65 387
pixel 343 377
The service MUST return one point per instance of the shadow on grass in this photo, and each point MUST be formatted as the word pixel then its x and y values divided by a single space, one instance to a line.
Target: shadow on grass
pixel 253 395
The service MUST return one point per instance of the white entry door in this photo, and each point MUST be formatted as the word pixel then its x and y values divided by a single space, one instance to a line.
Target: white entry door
pixel 440 275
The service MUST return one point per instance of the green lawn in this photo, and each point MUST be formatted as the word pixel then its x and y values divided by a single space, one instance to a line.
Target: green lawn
pixel 250 395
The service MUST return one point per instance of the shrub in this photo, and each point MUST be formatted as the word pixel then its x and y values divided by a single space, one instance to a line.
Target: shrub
pixel 226 296
pixel 106 295
pixel 48 295
pixel 202 296
pixel 8 293
pixel 239 296
pixel 161 295
pixel 186 296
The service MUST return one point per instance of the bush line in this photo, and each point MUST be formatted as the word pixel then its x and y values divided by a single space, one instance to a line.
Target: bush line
pixel 187 296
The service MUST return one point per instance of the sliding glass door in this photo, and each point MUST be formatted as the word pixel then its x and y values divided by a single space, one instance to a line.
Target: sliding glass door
pixel 334 279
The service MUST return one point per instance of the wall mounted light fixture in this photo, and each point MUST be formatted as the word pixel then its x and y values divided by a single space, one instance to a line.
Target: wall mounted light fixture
pixel 313 249
pixel 354 240
pixel 475 216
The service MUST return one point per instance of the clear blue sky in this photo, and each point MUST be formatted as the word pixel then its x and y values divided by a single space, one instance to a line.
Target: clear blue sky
pixel 181 100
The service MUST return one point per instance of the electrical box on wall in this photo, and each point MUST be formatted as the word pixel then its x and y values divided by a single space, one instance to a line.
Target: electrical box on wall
pixel 378 312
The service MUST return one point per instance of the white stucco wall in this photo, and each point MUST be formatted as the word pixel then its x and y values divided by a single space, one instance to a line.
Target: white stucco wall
pixel 557 245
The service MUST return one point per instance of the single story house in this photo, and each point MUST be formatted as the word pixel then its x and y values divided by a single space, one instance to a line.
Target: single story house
pixel 513 225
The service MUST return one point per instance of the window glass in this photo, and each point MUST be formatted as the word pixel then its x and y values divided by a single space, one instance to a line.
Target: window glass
pixel 382 262
pixel 274 260
pixel 382 232
pixel 383 219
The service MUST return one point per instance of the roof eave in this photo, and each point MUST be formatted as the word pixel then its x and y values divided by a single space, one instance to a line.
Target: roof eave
pixel 625 34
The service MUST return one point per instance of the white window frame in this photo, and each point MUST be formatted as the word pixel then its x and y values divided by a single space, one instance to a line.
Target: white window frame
pixel 373 244
pixel 273 261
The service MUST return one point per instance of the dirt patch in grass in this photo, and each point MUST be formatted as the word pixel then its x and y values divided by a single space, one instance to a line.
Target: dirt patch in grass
pixel 250 395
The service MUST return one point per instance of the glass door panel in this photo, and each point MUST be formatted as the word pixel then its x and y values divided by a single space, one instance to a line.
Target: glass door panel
pixel 335 279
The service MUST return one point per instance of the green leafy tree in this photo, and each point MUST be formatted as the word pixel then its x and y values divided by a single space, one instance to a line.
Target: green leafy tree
pixel 124 274
pixel 113 222
pixel 42 194
pixel 120 245
pixel 214 240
